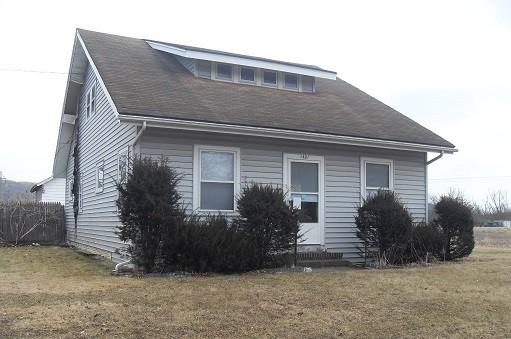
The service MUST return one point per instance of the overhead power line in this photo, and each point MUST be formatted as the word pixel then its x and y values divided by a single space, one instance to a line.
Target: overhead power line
pixel 19 70
pixel 474 178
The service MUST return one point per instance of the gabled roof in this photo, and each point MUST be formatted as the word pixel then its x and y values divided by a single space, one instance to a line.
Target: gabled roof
pixel 143 81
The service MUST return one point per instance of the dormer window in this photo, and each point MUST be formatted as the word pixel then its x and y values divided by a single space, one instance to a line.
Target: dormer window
pixel 204 69
pixel 307 84
pixel 224 72
pixel 247 74
pixel 269 78
pixel 291 81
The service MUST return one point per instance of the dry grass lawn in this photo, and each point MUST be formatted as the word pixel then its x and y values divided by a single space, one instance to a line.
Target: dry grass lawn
pixel 56 292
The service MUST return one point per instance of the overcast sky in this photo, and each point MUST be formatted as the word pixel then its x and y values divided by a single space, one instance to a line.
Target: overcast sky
pixel 445 64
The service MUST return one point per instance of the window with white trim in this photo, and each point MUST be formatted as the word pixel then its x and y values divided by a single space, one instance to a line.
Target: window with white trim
pixel 291 81
pixel 90 104
pixel 224 72
pixel 204 69
pixel 100 177
pixel 377 174
pixel 216 181
pixel 247 74
pixel 307 84
pixel 269 78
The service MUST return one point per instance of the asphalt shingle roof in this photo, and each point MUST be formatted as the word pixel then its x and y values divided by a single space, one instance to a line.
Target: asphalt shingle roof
pixel 145 81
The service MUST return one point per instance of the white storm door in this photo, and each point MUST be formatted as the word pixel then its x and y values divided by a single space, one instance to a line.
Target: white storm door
pixel 303 182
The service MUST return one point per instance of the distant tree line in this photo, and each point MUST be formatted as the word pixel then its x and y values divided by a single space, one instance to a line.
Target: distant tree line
pixel 495 207
pixel 15 191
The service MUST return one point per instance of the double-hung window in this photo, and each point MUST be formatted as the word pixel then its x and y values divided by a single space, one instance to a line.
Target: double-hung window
pixel 216 178
pixel 377 174
pixel 90 104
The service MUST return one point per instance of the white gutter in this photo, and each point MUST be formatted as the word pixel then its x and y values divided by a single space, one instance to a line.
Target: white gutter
pixel 282 134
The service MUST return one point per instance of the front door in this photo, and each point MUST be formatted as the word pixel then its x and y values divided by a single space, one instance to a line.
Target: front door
pixel 303 183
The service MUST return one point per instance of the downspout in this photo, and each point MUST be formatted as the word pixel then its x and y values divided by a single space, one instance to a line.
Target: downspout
pixel 426 179
pixel 139 134
pixel 128 265
pixel 432 160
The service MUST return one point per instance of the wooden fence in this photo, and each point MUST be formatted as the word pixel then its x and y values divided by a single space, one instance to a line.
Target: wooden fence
pixel 22 223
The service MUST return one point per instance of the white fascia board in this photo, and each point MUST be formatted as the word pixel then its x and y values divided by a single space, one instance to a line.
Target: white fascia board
pixel 96 73
pixel 64 119
pixel 282 134
pixel 229 59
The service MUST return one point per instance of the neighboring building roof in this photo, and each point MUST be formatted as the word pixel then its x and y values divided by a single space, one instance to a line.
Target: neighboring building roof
pixel 39 185
pixel 143 81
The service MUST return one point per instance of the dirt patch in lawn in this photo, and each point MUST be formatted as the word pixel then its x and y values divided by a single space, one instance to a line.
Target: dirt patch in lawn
pixel 56 292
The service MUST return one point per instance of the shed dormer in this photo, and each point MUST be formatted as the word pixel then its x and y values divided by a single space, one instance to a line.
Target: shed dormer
pixel 246 70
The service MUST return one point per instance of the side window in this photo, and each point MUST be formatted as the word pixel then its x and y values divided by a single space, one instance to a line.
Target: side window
pixel 100 176
pixel 377 174
pixel 90 102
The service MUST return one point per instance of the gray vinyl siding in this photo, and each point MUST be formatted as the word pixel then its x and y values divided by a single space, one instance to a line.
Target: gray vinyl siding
pixel 261 161
pixel 101 139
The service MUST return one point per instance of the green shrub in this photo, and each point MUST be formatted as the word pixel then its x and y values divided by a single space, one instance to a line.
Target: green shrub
pixel 148 202
pixel 385 228
pixel 454 217
pixel 427 243
pixel 268 222
pixel 205 244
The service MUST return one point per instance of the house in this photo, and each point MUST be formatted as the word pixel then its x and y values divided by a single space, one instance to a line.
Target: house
pixel 224 120
pixel 50 190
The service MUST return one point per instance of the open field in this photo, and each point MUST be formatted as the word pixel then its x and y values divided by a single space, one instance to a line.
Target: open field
pixel 57 292
pixel 493 236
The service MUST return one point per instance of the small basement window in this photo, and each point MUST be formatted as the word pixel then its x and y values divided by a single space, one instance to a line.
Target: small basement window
pixel 224 71
pixel 270 78
pixel 377 174
pixel 291 81
pixel 204 69
pixel 307 84
pixel 100 176
pixel 247 74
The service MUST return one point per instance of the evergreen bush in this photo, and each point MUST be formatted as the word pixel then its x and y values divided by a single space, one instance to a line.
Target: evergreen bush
pixel 454 217
pixel 427 243
pixel 384 227
pixel 268 221
pixel 148 202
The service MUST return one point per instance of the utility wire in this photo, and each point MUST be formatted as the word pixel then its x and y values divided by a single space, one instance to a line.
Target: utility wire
pixel 19 70
pixel 473 178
